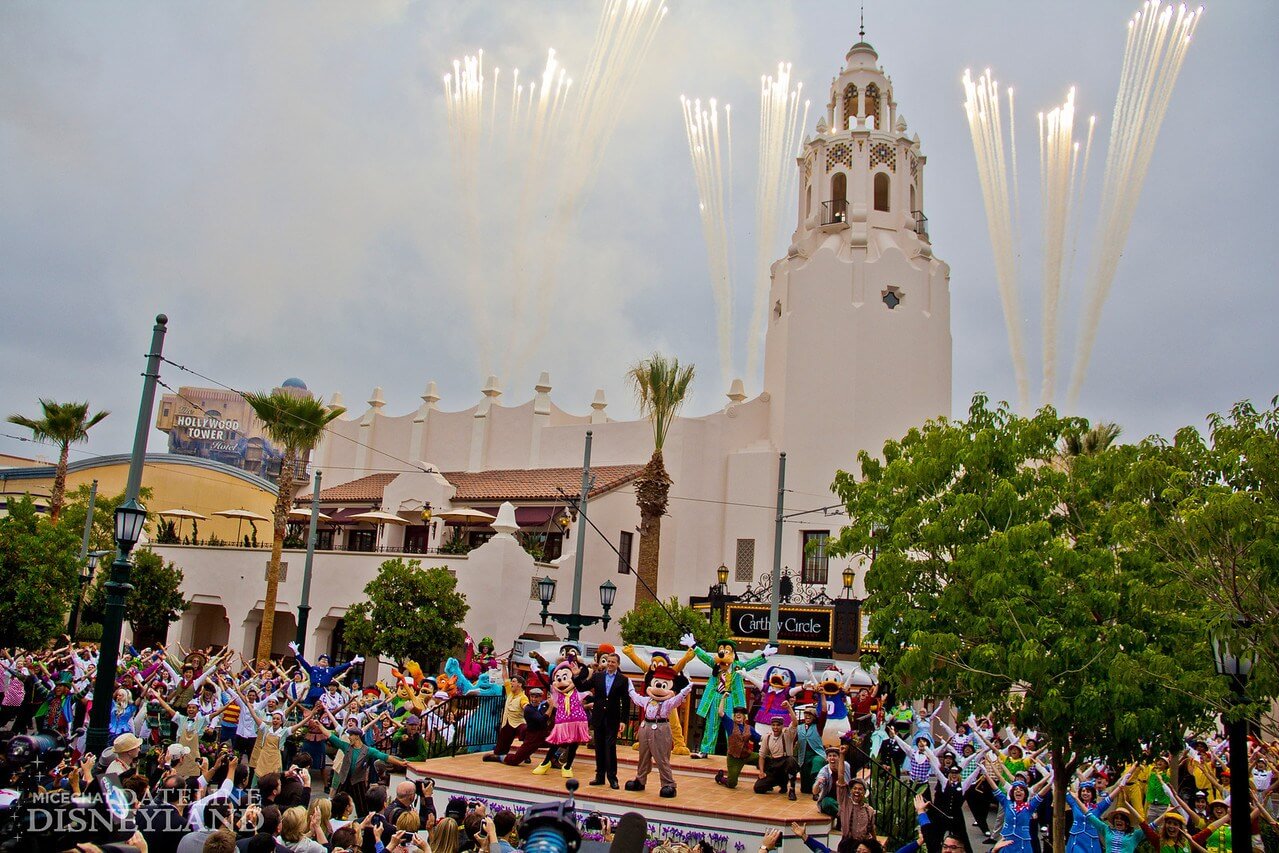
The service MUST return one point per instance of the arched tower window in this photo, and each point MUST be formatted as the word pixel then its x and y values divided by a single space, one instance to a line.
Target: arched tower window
pixel 850 103
pixel 882 186
pixel 872 104
pixel 913 204
pixel 837 207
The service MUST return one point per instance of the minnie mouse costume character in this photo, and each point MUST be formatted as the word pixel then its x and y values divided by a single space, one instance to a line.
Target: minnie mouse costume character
pixel 572 726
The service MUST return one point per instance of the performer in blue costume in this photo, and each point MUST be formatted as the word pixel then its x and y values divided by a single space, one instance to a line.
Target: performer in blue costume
pixel 321 672
pixel 1019 803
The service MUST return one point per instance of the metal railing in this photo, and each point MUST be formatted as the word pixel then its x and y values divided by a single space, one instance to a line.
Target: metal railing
pixel 894 804
pixel 834 211
pixel 921 224
pixel 463 724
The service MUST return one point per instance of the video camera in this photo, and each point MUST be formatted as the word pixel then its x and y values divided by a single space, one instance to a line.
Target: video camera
pixel 552 827
pixel 55 820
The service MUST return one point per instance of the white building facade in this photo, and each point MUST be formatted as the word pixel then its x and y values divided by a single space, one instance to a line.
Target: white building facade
pixel 858 351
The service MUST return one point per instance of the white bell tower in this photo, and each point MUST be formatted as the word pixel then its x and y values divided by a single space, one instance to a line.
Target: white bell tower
pixel 858 347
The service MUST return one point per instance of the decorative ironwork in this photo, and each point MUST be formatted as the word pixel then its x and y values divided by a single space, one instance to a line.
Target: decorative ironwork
pixel 792 590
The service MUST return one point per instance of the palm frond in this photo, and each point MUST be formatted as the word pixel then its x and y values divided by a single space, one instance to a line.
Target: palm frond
pixel 661 388
pixel 296 424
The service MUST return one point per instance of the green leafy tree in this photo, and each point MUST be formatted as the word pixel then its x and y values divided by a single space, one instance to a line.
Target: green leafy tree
pixel 102 535
pixel 1209 508
pixel 63 424
pixel 155 602
pixel 1007 580
pixel 296 424
pixel 648 624
pixel 39 573
pixel 661 387
pixel 408 612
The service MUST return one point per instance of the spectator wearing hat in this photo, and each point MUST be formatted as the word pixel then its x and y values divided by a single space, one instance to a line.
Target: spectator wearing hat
pixel 125 748
pixel 407 742
pixel 777 765
pixel 537 725
pixel 810 752
pixel 743 745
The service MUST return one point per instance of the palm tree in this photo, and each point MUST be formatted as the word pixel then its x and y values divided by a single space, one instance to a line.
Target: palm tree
pixel 63 424
pixel 661 388
pixel 295 424
pixel 1088 443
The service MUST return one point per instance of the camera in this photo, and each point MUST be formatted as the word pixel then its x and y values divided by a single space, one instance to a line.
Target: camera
pixel 551 827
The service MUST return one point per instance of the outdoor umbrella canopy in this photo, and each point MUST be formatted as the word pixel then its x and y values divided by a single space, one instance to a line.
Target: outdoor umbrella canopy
pixel 376 516
pixel 304 514
pixel 240 515
pixel 181 515
pixel 466 515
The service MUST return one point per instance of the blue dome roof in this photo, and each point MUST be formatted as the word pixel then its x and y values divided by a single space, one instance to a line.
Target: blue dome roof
pixel 293 382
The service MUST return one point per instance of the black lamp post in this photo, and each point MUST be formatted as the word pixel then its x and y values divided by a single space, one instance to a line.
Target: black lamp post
pixel 574 621
pixel 129 519
pixel 718 593
pixel 87 572
pixel 1237 666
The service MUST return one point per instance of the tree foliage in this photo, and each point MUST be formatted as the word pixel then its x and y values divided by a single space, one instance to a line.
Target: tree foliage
pixel 408 612
pixel 156 599
pixel 102 535
pixel 295 423
pixel 1004 576
pixel 1209 508
pixel 647 624
pixel 39 573
pixel 62 424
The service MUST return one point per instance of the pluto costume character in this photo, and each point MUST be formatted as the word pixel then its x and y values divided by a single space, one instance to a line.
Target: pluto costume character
pixel 726 689
pixel 660 659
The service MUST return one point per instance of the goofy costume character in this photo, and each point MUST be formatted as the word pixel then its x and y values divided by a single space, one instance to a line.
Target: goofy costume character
pixel 321 673
pixel 726 689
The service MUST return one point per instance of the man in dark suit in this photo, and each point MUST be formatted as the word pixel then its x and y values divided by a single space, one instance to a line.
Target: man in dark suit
pixel 609 709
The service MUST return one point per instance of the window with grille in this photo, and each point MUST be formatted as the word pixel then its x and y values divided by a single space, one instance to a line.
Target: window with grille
pixel 745 566
pixel 625 540
pixel 816 563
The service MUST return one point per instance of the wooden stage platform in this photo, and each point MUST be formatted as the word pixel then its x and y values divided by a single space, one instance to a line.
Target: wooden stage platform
pixel 701 805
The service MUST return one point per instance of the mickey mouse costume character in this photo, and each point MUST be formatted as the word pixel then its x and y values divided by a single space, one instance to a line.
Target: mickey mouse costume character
pixel 656 706
pixel 660 659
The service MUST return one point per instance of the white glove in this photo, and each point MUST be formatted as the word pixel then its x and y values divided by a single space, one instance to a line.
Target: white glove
pixel 534 666
pixel 769 651
pixel 688 641
pixel 293 647
pixel 357 659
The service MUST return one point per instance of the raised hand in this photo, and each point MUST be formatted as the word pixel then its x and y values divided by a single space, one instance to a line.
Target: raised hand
pixel 688 641
pixel 293 647
pixel 769 651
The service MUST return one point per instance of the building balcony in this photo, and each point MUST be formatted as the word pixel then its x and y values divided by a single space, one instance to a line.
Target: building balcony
pixel 921 224
pixel 835 212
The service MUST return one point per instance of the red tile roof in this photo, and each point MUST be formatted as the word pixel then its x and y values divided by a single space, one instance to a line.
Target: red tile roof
pixel 516 484
pixel 536 484
pixel 364 490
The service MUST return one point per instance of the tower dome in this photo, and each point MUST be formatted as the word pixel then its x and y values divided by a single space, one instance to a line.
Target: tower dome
pixel 293 382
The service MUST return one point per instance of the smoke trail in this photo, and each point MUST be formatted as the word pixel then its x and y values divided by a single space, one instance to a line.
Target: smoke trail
pixel 701 126
pixel 1153 56
pixel 1058 159
pixel 981 106
pixel 779 132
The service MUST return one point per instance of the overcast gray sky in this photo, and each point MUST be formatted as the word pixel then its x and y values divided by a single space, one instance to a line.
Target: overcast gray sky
pixel 275 176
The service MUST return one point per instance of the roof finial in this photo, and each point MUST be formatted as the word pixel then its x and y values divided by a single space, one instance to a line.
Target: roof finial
pixel 862 32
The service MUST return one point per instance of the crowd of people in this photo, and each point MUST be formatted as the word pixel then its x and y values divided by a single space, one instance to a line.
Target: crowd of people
pixel 216 752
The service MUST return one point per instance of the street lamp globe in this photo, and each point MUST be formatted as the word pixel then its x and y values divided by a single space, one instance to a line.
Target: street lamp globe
pixel 849 576
pixel 1230 661
pixel 608 592
pixel 722 575
pixel 129 520
pixel 546 590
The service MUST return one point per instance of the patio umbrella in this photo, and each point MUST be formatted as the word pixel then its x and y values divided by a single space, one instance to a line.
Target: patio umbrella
pixel 466 515
pixel 380 518
pixel 240 515
pixel 304 514
pixel 181 515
